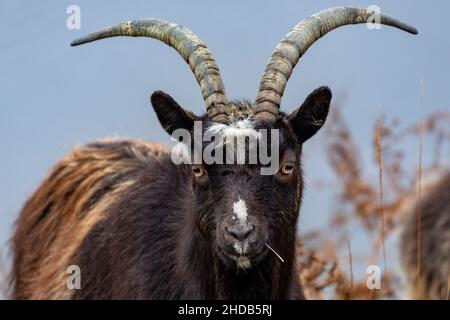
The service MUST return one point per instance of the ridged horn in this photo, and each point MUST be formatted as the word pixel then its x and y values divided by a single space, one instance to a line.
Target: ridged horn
pixel 292 47
pixel 188 45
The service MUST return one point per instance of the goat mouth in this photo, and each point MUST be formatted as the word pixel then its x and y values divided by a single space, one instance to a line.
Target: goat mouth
pixel 241 260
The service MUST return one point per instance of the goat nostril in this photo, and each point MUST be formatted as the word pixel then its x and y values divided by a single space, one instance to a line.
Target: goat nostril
pixel 241 232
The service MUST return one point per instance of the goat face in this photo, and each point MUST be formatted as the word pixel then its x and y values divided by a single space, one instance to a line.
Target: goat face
pixel 238 210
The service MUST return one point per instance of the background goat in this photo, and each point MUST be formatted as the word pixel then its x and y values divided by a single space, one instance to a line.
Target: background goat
pixel 431 261
pixel 139 226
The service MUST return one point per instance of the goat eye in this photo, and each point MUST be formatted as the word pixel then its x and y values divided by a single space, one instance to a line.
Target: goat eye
pixel 198 171
pixel 287 168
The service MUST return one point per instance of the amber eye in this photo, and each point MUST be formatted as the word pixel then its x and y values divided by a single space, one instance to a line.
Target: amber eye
pixel 287 168
pixel 198 171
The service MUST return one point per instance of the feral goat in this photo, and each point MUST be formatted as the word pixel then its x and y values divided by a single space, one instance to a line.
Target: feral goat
pixel 139 226
pixel 425 242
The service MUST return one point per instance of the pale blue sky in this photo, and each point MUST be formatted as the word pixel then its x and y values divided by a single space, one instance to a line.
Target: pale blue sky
pixel 54 96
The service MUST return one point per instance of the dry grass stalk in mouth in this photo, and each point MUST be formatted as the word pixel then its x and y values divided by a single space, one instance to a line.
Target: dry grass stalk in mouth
pixel 276 253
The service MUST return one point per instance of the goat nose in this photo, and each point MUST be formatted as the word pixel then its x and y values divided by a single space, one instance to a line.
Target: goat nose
pixel 241 232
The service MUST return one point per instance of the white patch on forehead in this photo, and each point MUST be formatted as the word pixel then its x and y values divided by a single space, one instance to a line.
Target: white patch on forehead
pixel 240 210
pixel 227 132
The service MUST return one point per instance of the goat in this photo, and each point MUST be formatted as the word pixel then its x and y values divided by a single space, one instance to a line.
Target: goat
pixel 140 226
pixel 431 259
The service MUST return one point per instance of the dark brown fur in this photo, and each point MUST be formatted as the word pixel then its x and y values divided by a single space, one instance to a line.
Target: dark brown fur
pixel 141 227
pixel 72 199
pixel 97 194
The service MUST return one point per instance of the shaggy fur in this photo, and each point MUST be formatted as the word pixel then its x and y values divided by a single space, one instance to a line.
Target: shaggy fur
pixel 70 202
pixel 141 227
pixel 435 244
pixel 105 208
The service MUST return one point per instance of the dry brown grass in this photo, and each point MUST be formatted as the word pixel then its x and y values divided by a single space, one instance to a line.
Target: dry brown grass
pixel 3 278
pixel 350 266
pixel 321 270
pixel 419 194
pixel 374 204
pixel 378 138
pixel 448 287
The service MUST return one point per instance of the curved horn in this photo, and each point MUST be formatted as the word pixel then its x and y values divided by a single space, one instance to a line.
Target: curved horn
pixel 292 47
pixel 188 45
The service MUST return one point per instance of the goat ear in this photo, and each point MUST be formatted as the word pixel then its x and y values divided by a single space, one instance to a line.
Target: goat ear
pixel 311 115
pixel 170 114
